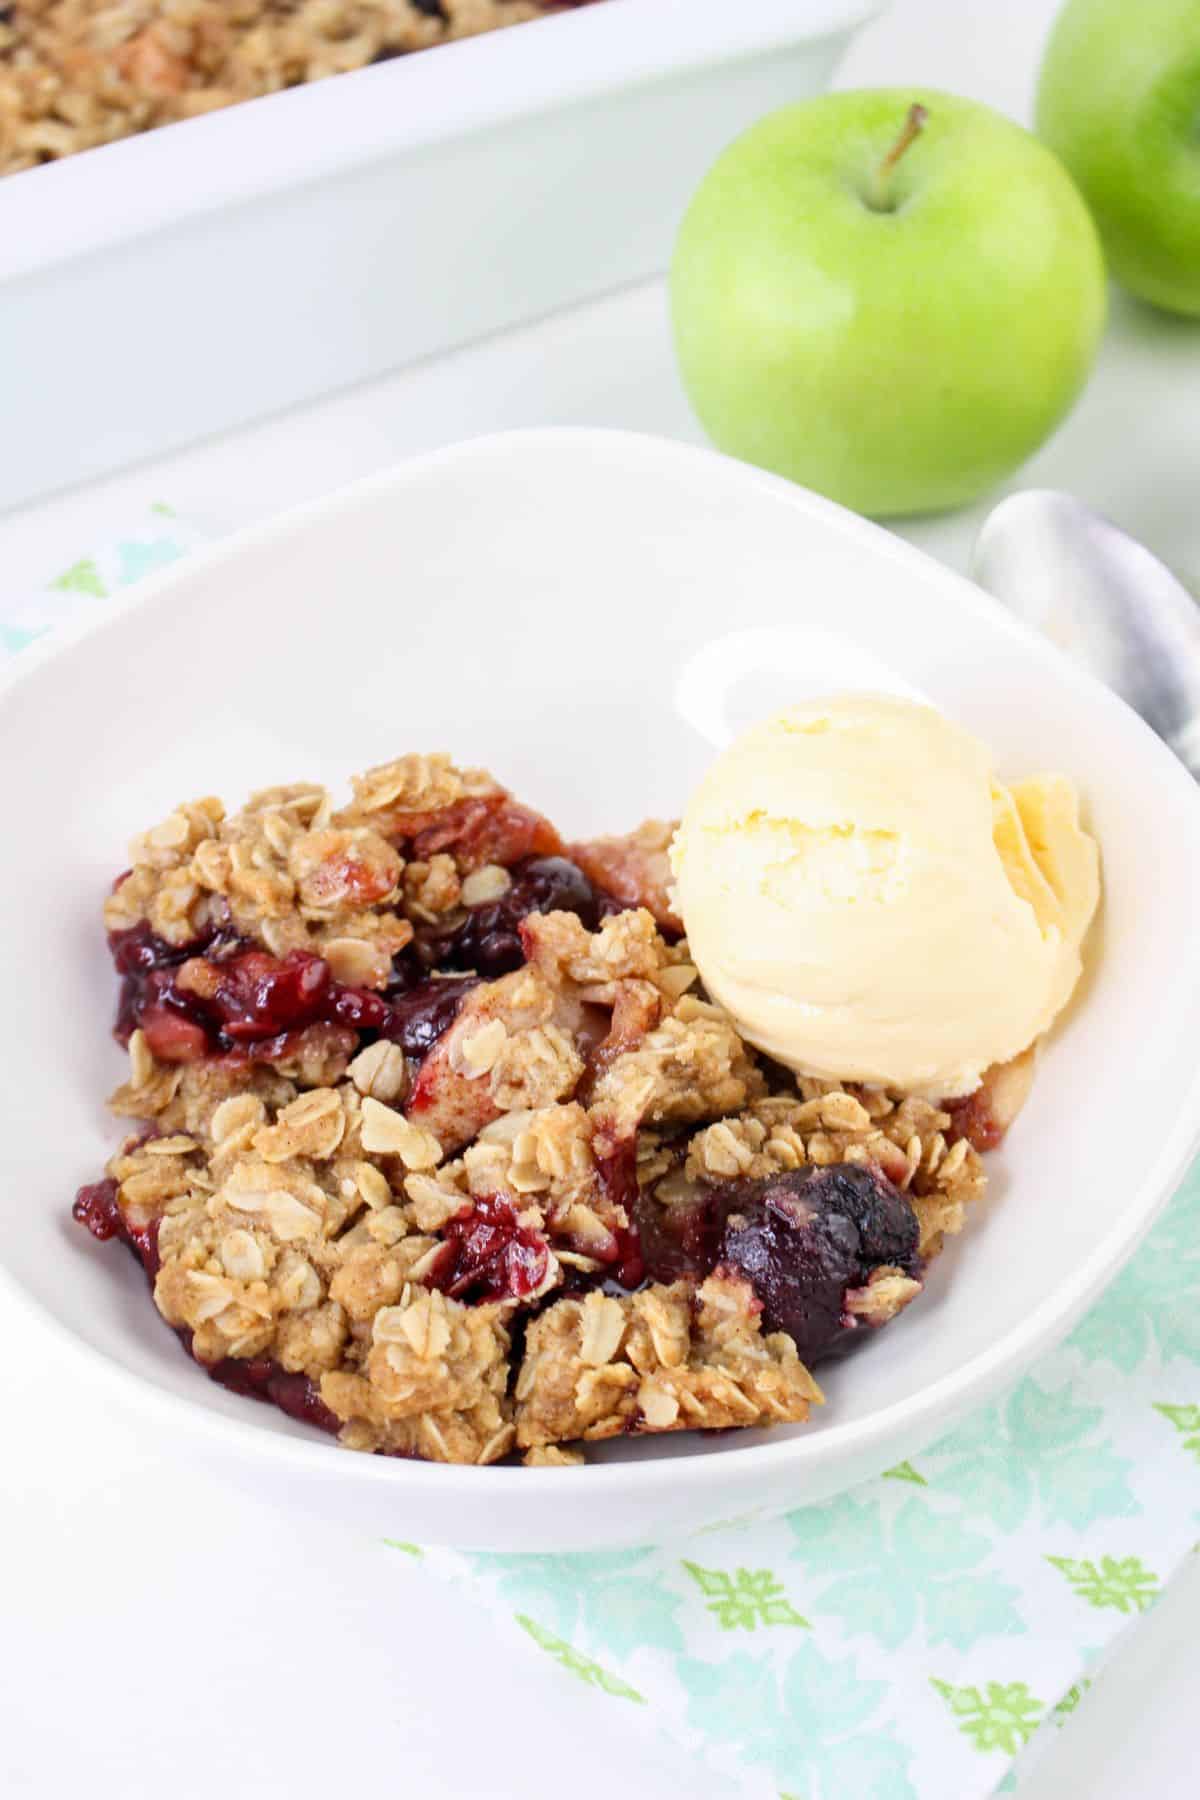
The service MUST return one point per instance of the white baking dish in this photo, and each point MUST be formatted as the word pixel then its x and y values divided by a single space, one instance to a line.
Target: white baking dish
pixel 180 283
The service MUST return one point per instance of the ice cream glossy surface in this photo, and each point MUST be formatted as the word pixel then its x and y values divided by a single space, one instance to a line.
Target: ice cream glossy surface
pixel 869 902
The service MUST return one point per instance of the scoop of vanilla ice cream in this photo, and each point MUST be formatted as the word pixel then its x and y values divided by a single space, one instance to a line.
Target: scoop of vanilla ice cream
pixel 871 905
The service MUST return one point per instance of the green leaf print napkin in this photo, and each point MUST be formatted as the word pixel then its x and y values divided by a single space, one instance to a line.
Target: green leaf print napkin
pixel 922 1637
pixel 150 542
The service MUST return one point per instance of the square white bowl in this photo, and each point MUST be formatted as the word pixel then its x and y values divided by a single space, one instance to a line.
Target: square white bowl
pixel 530 602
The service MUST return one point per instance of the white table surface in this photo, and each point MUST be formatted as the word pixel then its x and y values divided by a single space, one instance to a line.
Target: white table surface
pixel 164 1636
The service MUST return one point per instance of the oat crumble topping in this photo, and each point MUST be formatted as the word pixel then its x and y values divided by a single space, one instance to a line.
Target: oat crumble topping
pixel 442 1147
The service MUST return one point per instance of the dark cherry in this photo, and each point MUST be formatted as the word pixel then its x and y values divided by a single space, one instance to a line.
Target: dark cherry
pixel 488 940
pixel 489 1255
pixel 801 1239
pixel 418 1016
pixel 138 950
pixel 804 1238
pixel 257 995
pixel 140 958
pixel 678 1240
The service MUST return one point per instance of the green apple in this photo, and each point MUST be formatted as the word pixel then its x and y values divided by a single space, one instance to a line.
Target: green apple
pixel 891 296
pixel 1119 100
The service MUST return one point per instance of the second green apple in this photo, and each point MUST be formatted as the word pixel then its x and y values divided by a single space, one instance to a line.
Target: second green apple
pixel 891 296
pixel 1119 101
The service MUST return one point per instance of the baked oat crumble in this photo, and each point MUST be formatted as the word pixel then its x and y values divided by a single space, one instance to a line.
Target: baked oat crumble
pixel 442 1147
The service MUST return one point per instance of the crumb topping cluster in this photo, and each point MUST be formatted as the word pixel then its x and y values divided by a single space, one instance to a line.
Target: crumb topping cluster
pixel 440 1144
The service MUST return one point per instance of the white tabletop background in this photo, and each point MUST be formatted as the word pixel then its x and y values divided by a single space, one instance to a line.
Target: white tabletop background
pixel 167 1635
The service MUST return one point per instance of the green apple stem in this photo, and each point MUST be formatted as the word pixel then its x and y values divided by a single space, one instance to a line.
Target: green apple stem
pixel 880 191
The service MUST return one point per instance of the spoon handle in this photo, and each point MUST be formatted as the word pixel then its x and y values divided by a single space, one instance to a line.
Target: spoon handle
pixel 1103 598
pixel 1186 744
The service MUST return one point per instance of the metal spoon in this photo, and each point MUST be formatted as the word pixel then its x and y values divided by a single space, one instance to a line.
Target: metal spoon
pixel 1104 599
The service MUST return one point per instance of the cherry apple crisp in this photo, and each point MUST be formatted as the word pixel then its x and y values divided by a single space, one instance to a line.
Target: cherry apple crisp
pixel 439 1146
pixel 75 74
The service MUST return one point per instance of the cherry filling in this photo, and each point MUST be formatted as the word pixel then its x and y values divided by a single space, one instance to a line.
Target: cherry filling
pixel 617 1170
pixel 219 995
pixel 680 1240
pixel 488 940
pixel 144 962
pixel 259 1378
pixel 418 1016
pixel 488 1254
pixel 96 1207
pixel 803 1240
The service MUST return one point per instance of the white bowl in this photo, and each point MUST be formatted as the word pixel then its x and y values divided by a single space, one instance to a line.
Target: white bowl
pixel 530 601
